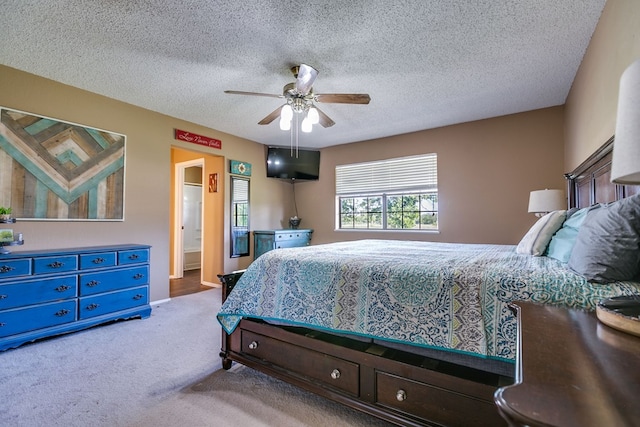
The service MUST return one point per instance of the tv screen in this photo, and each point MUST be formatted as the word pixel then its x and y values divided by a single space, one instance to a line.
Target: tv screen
pixel 282 163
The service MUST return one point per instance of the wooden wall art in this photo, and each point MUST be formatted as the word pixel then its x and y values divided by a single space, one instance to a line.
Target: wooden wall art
pixel 56 170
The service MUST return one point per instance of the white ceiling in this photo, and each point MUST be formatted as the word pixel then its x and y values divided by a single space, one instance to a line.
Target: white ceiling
pixel 425 63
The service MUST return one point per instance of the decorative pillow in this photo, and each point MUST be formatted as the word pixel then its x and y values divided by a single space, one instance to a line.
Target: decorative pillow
pixel 562 242
pixel 537 238
pixel 607 248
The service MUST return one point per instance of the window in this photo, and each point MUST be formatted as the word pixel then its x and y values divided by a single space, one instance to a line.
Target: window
pixel 239 216
pixel 393 194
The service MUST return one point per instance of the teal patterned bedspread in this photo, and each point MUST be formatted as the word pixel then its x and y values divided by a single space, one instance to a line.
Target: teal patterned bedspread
pixel 438 295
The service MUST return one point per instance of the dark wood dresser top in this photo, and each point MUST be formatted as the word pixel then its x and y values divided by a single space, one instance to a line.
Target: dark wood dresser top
pixel 572 371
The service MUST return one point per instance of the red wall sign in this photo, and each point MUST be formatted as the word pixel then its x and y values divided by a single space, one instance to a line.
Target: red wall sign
pixel 198 139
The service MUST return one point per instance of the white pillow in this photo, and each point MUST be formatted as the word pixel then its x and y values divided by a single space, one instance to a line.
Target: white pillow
pixel 537 239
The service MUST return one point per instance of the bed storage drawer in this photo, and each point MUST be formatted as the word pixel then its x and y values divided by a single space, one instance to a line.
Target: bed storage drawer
pixel 332 371
pixel 433 403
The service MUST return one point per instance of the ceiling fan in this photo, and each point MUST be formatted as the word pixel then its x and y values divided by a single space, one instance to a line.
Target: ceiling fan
pixel 300 98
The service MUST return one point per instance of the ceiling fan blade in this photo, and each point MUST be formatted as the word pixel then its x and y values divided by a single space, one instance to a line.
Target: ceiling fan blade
pixel 344 98
pixel 239 92
pixel 325 120
pixel 306 77
pixel 272 116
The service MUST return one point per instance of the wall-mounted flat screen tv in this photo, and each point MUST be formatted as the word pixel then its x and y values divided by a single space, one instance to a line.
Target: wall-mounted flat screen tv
pixel 285 163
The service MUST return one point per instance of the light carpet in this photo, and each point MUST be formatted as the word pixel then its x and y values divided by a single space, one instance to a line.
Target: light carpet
pixel 161 371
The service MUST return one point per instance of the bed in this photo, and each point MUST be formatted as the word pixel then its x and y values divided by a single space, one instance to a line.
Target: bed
pixel 416 333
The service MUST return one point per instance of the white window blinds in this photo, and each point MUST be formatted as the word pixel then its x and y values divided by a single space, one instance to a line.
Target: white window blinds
pixel 404 174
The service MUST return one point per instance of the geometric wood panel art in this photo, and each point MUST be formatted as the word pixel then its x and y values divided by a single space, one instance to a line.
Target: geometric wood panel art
pixel 56 170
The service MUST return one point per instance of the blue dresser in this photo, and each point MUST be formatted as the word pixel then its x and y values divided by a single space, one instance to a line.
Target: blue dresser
pixel 45 293
pixel 267 240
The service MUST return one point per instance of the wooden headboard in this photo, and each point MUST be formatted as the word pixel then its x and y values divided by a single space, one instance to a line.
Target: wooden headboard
pixel 590 182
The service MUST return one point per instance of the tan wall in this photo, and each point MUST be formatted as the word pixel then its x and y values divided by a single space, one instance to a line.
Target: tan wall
pixel 150 137
pixel 592 102
pixel 486 170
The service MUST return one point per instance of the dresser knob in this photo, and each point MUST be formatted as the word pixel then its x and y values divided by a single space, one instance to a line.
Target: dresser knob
pixel 253 345
pixel 134 256
pixel 138 276
pixel 138 296
pixel 2 324
pixel 56 264
pixel 4 296
pixel 63 288
pixel 401 395
pixel 98 260
pixel 62 312
pixel 93 283
pixel 92 306
pixel 6 269
pixel 335 374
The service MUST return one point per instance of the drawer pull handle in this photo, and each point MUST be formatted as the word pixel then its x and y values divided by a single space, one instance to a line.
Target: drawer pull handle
pixel 401 395
pixel 2 324
pixel 92 306
pixel 6 269
pixel 335 374
pixel 138 296
pixel 4 296
pixel 62 312
pixel 93 283
pixel 253 345
pixel 63 288
pixel 138 276
pixel 98 260
pixel 56 264
pixel 134 256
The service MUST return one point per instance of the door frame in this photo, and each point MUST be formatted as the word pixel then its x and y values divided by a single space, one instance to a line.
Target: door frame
pixel 178 230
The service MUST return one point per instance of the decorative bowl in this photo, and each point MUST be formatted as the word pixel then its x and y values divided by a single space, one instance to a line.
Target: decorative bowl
pixel 621 313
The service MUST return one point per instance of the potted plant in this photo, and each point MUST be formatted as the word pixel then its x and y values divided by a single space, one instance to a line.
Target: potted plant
pixel 5 213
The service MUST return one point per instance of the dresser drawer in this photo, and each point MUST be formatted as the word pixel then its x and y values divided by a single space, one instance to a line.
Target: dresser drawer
pixel 16 267
pixel 55 264
pixel 30 318
pixel 332 371
pixel 433 403
pixel 31 292
pixel 113 301
pixel 99 260
pixel 135 256
pixel 106 281
pixel 293 235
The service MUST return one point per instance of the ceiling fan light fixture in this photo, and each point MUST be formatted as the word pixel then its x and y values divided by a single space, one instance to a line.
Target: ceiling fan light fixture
pixel 306 125
pixel 286 113
pixel 313 116
pixel 284 123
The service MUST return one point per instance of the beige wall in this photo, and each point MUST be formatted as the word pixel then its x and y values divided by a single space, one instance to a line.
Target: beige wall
pixel 486 170
pixel 150 137
pixel 592 102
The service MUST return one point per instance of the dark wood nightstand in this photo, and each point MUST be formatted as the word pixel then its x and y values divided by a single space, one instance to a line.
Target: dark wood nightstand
pixel 572 371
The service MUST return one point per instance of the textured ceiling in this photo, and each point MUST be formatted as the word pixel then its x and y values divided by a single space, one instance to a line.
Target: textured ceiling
pixel 425 63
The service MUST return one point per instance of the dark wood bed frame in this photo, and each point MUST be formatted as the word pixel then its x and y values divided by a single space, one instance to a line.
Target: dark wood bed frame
pixel 398 386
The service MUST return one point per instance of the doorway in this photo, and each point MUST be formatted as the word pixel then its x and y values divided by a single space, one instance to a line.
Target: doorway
pixel 189 211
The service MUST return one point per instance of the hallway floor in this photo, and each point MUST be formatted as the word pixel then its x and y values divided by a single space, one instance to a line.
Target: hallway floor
pixel 189 284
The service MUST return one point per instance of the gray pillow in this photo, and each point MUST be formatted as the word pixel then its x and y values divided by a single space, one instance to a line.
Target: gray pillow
pixel 607 247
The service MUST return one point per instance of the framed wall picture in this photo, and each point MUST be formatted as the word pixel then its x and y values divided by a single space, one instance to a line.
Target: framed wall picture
pixel 56 170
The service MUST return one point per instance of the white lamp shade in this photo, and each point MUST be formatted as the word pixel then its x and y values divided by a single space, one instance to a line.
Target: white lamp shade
pixel 313 116
pixel 625 164
pixel 287 112
pixel 306 125
pixel 285 124
pixel 542 201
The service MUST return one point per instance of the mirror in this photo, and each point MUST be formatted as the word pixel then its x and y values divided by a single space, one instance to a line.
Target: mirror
pixel 239 217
